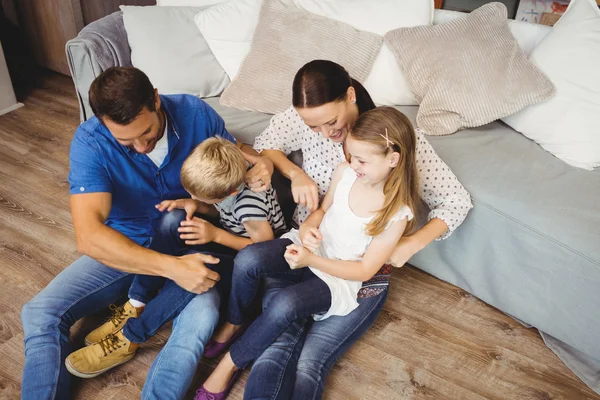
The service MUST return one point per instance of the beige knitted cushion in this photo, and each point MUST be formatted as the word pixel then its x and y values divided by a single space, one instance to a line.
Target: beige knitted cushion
pixel 285 39
pixel 467 72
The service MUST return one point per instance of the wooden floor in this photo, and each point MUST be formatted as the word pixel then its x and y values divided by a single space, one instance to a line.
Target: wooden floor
pixel 432 340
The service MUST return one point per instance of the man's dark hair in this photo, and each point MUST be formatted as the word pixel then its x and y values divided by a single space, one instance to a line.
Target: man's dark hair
pixel 120 94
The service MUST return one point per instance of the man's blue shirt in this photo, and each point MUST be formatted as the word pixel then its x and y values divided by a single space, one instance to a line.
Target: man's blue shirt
pixel 100 164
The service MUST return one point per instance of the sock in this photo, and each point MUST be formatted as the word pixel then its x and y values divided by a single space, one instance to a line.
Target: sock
pixel 136 304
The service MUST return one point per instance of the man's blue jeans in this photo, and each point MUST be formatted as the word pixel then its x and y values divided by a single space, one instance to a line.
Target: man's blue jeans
pixel 86 287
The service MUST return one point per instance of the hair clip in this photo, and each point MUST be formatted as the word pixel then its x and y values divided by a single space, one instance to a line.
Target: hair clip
pixel 388 142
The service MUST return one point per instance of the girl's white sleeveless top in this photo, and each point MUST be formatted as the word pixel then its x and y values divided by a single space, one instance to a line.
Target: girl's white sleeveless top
pixel 344 238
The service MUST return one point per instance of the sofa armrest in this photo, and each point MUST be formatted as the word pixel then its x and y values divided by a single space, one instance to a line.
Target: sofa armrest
pixel 99 46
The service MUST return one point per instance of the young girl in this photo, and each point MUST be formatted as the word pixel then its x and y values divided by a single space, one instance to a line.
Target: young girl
pixel 365 212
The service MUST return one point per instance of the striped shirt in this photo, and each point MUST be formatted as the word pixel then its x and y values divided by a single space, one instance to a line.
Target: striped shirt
pixel 251 206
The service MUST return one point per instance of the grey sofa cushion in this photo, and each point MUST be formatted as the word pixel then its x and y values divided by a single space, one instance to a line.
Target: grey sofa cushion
pixel 244 125
pixel 175 56
pixel 530 246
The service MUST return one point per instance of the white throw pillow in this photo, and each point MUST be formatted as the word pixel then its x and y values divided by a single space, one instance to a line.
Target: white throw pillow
pixel 228 29
pixel 168 47
pixel 188 3
pixel 568 125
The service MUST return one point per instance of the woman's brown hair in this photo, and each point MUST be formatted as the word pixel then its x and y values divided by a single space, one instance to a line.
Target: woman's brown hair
pixel 321 81
pixel 402 185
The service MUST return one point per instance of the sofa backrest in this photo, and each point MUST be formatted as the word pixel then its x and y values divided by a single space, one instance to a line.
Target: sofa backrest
pixel 103 44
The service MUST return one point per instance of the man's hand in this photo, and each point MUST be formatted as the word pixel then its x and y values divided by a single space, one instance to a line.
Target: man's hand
pixel 305 191
pixel 197 231
pixel 191 273
pixel 259 177
pixel 189 205
pixel 297 256
pixel 311 238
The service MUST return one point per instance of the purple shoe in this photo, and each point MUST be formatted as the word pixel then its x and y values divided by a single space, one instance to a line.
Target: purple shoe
pixel 214 349
pixel 203 394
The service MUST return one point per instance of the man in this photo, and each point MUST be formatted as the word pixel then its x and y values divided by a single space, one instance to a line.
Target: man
pixel 124 161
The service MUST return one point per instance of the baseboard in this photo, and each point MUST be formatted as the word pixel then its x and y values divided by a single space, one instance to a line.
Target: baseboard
pixel 11 108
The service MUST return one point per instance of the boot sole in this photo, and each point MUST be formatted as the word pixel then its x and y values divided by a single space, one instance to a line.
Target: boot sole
pixel 87 375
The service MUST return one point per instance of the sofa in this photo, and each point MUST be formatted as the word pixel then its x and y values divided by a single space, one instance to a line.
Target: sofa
pixel 530 246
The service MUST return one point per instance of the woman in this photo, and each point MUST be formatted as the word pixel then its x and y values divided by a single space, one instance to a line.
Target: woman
pixel 326 104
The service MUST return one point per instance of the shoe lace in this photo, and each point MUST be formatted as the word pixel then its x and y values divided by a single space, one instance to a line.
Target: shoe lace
pixel 109 343
pixel 207 395
pixel 118 314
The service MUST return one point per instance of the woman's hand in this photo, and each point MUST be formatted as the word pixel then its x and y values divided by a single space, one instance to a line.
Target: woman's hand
pixel 305 191
pixel 407 247
pixel 189 205
pixel 410 245
pixel 311 238
pixel 297 256
pixel 197 231
pixel 259 177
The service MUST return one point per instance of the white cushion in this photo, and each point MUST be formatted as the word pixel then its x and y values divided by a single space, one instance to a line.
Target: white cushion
pixel 168 47
pixel 229 27
pixel 568 125
pixel 188 3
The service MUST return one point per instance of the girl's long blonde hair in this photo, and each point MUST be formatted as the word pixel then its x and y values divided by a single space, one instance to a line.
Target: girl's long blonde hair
pixel 402 184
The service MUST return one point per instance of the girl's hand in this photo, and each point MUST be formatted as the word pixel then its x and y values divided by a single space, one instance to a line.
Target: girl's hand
pixel 190 206
pixel 297 256
pixel 197 231
pixel 305 192
pixel 312 239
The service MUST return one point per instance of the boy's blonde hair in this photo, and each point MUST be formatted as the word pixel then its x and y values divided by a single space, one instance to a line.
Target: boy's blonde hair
pixel 214 169
pixel 391 131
